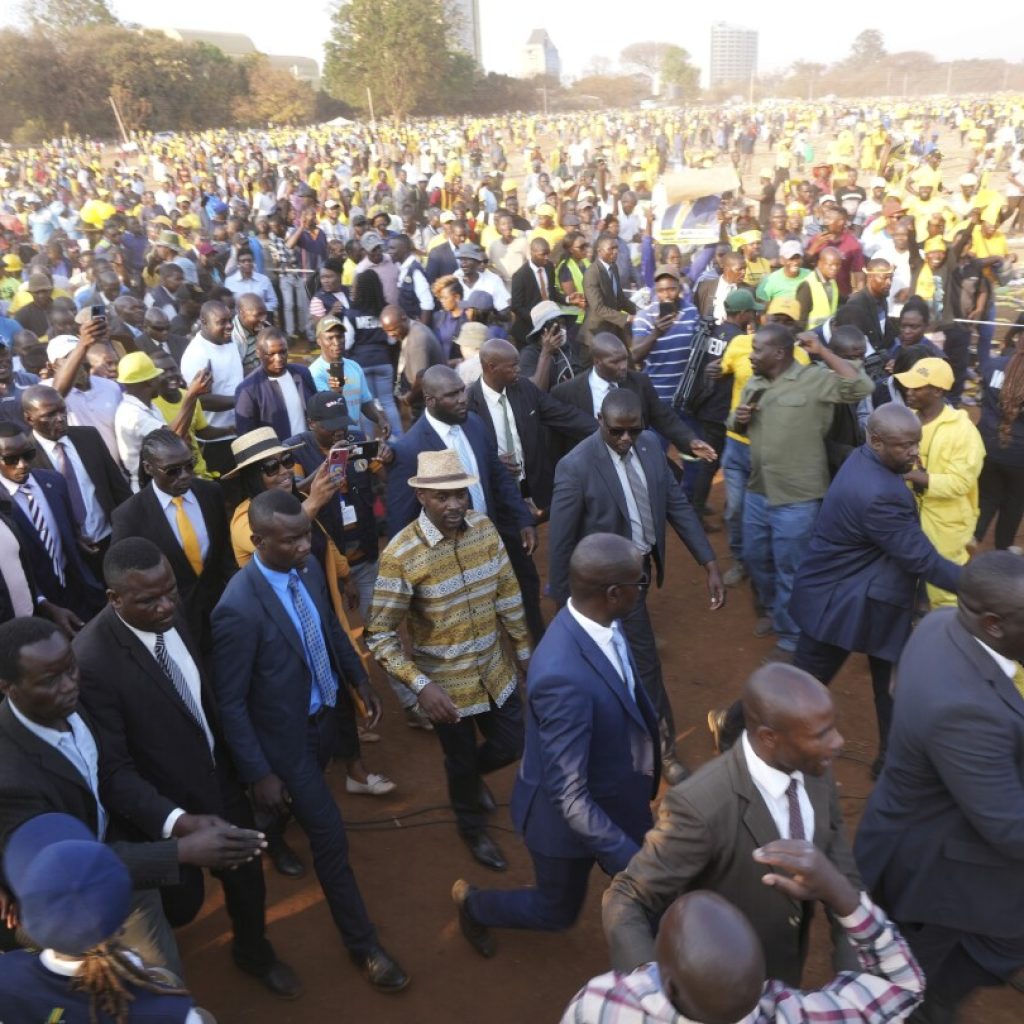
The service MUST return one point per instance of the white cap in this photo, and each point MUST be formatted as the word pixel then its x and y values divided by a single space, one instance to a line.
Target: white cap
pixel 968 179
pixel 61 346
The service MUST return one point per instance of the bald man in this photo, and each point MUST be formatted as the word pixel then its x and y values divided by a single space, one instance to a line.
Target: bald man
pixel 774 783
pixel 710 966
pixel 854 589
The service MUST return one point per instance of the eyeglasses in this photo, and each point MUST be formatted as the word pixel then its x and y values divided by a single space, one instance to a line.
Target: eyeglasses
pixel 26 455
pixel 270 466
pixel 176 469
pixel 641 584
pixel 624 431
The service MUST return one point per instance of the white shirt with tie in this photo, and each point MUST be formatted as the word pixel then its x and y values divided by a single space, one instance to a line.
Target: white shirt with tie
pixel 772 785
pixel 178 652
pixel 96 526
pixel 603 637
pixel 723 290
pixel 16 491
pixel 494 407
pixel 636 527
pixel 444 431
pixel 294 404
pixel 599 387
pixel 194 513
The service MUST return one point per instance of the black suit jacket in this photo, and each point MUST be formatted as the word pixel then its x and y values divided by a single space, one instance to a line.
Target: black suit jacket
pixel 155 755
pixel 142 516
pixel 111 486
pixel 658 416
pixel 525 294
pixel 861 310
pixel 36 779
pixel 441 261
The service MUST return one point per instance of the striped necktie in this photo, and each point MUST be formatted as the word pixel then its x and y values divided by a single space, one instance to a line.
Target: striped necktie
pixel 48 540
pixel 173 672
pixel 316 647
pixel 67 470
pixel 640 495
pixel 796 819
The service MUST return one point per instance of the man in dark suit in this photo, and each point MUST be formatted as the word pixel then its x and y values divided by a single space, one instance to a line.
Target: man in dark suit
pixel 275 394
pixel 710 294
pixel 868 308
pixel 774 783
pixel 49 761
pixel 164 769
pixel 532 283
pixel 41 507
pixel 184 517
pixel 158 336
pixel 855 587
pixel 611 370
pixel 617 481
pixel 590 766
pixel 281 666
pixel 441 260
pixel 96 485
pixel 608 308
pixel 941 843
pixel 448 423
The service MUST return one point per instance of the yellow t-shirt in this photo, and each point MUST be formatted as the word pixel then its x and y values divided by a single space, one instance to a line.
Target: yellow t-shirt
pixel 550 235
pixel 169 411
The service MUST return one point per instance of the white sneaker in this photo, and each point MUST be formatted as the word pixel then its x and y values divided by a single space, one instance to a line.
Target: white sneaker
pixel 375 785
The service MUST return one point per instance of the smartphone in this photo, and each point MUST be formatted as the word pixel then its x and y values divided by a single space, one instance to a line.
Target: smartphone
pixel 337 461
pixel 98 312
pixel 365 450
pixel 666 309
pixel 337 371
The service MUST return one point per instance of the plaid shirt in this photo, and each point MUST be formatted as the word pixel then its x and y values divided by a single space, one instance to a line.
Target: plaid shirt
pixel 888 989
pixel 283 257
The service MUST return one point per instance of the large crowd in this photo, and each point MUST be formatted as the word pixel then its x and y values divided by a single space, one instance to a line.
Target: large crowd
pixel 283 413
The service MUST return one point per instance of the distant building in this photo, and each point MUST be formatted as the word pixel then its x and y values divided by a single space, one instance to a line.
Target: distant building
pixel 540 56
pixel 733 54
pixel 468 12
pixel 238 46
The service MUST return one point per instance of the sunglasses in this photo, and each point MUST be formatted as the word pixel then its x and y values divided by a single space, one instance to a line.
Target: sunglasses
pixel 624 431
pixel 641 584
pixel 177 468
pixel 26 455
pixel 270 466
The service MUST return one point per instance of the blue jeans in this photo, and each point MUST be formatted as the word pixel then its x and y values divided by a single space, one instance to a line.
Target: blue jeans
pixel 774 540
pixel 381 380
pixel 736 470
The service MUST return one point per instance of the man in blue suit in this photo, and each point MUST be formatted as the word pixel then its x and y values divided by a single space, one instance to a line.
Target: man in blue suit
pixel 590 767
pixel 941 843
pixel 617 481
pixel 275 394
pixel 41 507
pixel 447 423
pixel 283 672
pixel 855 588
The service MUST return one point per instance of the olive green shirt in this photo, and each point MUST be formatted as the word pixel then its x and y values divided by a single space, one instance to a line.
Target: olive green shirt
pixel 787 430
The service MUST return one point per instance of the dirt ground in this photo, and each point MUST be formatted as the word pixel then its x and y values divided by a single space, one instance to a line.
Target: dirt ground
pixel 406 864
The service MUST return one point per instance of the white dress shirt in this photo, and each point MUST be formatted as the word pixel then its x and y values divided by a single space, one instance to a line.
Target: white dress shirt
pixel 16 491
pixel 772 785
pixel 95 407
pixel 424 296
pixel 599 387
pixel 1008 665
pixel 96 525
pixel 488 281
pixel 194 513
pixel 635 524
pixel 493 400
pixel 602 636
pixel 133 420
pixel 79 747
pixel 292 402
pixel 444 431
pixel 724 289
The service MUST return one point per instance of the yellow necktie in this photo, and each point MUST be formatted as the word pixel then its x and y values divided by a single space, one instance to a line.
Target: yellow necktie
pixel 189 540
pixel 1018 679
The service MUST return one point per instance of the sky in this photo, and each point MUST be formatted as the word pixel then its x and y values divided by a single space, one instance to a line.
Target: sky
pixel 505 27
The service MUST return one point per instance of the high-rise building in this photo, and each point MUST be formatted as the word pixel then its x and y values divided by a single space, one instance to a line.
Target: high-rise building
pixel 468 12
pixel 540 56
pixel 733 54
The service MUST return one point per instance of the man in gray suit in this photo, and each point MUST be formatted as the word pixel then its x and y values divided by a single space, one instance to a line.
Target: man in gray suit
pixel 618 481
pixel 774 783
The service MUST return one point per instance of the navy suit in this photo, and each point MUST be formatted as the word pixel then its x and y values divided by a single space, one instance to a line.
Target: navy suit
pixel 941 843
pixel 441 262
pixel 259 402
pixel 80 592
pixel 263 682
pixel 589 772
pixel 855 588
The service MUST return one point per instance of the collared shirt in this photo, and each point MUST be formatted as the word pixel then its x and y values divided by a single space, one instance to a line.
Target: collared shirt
pixel 1006 665
pixel 722 291
pixel 257 284
pixel 194 513
pixel 17 492
pixel 444 431
pixel 79 747
pixel 133 421
pixel 887 988
pixel 279 584
pixel 635 524
pixel 599 387
pixel 602 636
pixel 18 590
pixel 453 593
pixel 96 525
pixel 95 406
pixel 772 785
pixel 294 404
pixel 498 418
pixel 487 281
pixel 788 427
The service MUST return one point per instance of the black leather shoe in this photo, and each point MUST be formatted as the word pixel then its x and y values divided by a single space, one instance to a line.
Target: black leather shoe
pixel 476 934
pixel 285 860
pixel 282 981
pixel 486 798
pixel 486 851
pixel 383 972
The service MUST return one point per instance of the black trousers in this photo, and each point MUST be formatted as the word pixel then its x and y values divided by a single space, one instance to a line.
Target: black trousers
pixel 1000 493
pixel 714 434
pixel 245 893
pixel 823 661
pixel 529 584
pixel 466 760
pixel 640 634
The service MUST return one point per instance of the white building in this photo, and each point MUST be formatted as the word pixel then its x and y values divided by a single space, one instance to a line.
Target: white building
pixel 733 54
pixel 468 13
pixel 540 56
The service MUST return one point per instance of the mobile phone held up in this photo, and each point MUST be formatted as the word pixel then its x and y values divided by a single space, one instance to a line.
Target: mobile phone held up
pixel 337 461
pixel 337 371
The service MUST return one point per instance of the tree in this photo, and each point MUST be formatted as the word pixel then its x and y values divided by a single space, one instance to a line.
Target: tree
pixel 62 18
pixel 807 73
pixel 646 58
pixel 678 73
pixel 868 48
pixel 273 96
pixel 396 48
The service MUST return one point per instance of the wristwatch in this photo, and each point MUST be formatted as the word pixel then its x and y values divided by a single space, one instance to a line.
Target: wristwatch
pixel 419 685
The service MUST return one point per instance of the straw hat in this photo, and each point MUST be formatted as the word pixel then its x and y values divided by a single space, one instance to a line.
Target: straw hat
pixel 257 445
pixel 441 471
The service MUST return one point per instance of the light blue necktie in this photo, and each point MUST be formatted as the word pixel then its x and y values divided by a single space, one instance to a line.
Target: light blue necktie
pixel 461 446
pixel 622 650
pixel 313 639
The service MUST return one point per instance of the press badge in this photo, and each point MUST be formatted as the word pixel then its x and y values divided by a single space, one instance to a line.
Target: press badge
pixel 348 514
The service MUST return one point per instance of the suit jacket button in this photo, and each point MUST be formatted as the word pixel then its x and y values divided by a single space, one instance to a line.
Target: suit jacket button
pixel 795 921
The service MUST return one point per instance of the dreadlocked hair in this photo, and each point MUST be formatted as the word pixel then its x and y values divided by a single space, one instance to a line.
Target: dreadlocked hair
pixel 108 974
pixel 1011 397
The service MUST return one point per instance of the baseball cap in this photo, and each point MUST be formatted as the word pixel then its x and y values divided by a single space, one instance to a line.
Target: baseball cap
pixel 370 241
pixel 666 270
pixel 61 346
pixel 327 323
pixel 934 371
pixel 968 180
pixel 328 409
pixel 331 204
pixel 446 217
pixel 786 305
pixel 790 249
pixel 478 299
pixel 739 300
